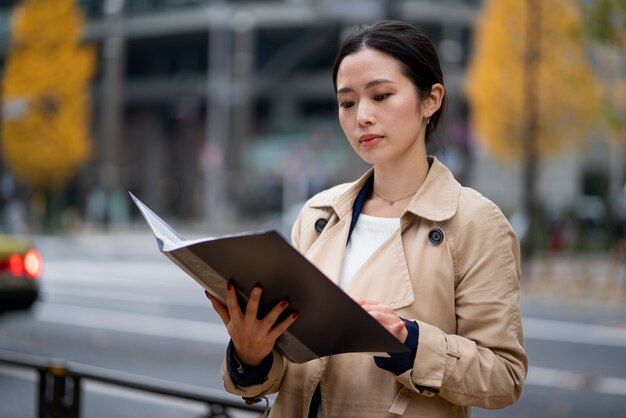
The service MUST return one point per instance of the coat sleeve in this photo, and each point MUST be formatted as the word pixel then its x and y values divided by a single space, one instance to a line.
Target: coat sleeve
pixel 271 384
pixel 279 364
pixel 484 363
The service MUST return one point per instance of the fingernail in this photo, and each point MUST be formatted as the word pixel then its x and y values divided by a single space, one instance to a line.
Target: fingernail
pixel 206 293
pixel 283 304
pixel 229 286
pixel 294 315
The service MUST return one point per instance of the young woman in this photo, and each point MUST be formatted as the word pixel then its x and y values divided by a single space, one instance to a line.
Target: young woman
pixel 434 262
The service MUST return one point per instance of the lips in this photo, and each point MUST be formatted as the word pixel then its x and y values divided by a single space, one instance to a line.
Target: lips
pixel 369 140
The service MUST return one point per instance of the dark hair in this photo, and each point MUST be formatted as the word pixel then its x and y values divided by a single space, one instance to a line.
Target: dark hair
pixel 416 53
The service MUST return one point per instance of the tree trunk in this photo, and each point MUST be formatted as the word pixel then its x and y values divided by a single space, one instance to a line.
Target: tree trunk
pixel 531 105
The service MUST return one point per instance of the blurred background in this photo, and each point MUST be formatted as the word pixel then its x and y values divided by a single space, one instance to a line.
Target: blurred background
pixel 220 115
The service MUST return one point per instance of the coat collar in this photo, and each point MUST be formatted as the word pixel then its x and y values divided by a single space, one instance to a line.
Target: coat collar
pixel 436 200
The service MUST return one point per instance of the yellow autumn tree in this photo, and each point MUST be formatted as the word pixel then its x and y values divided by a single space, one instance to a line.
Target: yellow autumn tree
pixel 605 24
pixel 45 97
pixel 564 84
pixel 529 85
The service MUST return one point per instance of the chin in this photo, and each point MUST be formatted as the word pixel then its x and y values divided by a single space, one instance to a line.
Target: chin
pixel 371 158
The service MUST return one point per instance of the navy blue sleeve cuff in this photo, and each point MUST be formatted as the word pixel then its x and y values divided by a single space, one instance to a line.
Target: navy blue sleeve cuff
pixel 399 363
pixel 246 375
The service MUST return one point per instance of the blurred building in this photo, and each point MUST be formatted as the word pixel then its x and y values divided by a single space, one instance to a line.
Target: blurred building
pixel 222 109
pixel 197 102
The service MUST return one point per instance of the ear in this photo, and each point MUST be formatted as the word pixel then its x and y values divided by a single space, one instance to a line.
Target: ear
pixel 432 102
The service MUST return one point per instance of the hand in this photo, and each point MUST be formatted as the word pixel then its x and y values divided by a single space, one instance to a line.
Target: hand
pixel 386 316
pixel 252 338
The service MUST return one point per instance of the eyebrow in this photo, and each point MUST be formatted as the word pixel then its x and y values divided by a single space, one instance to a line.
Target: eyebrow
pixel 367 86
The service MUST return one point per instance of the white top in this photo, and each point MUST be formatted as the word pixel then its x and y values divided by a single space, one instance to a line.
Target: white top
pixel 369 233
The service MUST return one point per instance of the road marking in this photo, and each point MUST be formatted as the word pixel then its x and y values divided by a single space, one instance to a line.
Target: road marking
pixel 177 279
pixel 90 293
pixel 573 332
pixel 534 328
pixel 18 372
pixel 110 320
pixel 562 379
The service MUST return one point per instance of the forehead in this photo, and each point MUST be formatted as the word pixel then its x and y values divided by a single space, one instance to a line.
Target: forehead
pixel 361 67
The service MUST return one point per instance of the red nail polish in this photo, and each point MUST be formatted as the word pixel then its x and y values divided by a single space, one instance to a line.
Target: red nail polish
pixel 294 315
pixel 283 304
pixel 206 292
pixel 229 286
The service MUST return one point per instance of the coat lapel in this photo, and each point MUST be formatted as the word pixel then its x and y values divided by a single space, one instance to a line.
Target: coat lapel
pixel 328 251
pixel 385 277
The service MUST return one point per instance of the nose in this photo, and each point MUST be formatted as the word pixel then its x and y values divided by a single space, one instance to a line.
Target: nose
pixel 365 114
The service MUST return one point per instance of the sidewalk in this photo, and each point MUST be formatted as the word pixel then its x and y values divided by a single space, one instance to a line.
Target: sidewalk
pixel 577 277
pixel 134 239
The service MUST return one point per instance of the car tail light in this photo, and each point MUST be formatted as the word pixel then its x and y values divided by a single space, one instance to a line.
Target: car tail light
pixel 33 263
pixel 16 265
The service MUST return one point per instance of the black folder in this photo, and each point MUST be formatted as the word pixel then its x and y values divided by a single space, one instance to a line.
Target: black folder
pixel 329 321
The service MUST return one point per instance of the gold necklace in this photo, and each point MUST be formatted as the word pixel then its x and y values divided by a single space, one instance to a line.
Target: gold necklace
pixel 391 202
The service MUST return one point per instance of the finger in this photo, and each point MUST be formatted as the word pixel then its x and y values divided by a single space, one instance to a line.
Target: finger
pixel 378 307
pixel 232 303
pixel 363 301
pixel 373 306
pixel 399 331
pixel 381 317
pixel 387 320
pixel 393 324
pixel 282 327
pixel 398 326
pixel 376 310
pixel 272 316
pixel 252 308
pixel 219 307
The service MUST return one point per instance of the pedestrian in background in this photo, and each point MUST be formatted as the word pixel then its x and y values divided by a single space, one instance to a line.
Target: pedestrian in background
pixel 436 263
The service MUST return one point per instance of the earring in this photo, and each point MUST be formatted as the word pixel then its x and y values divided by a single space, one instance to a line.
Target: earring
pixel 428 121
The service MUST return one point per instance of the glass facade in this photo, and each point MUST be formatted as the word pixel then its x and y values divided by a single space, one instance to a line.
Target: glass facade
pixel 179 55
pixel 282 99
pixel 93 8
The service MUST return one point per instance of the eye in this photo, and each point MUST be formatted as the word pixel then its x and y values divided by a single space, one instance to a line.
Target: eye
pixel 381 97
pixel 346 105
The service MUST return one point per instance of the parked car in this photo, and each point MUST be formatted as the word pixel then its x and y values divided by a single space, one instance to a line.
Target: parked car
pixel 20 268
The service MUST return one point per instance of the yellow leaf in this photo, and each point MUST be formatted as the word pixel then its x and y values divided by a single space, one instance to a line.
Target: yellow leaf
pixel 46 82
pixel 565 90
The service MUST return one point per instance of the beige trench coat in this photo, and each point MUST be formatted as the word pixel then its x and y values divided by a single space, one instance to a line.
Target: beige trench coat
pixel 463 293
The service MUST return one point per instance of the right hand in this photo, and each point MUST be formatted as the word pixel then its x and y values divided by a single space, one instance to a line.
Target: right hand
pixel 252 338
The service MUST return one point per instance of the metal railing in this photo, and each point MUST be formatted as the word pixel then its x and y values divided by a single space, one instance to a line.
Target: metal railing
pixel 59 393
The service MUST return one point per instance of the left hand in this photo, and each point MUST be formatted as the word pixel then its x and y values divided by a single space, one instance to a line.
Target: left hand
pixel 386 316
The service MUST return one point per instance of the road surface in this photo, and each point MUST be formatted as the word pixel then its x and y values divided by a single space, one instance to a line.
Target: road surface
pixel 115 302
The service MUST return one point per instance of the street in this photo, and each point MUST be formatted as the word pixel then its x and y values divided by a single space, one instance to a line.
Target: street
pixel 115 302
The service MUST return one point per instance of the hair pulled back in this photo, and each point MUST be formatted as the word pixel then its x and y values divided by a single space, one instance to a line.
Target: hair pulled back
pixel 415 52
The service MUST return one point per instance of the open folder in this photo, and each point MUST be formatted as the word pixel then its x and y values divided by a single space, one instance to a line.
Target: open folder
pixel 329 321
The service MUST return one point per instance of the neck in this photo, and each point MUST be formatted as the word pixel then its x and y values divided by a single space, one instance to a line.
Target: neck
pixel 402 178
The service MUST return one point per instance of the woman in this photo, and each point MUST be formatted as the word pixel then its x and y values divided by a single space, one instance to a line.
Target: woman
pixel 437 264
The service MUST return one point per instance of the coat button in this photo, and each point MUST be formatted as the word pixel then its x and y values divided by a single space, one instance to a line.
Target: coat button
pixel 320 224
pixel 435 236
